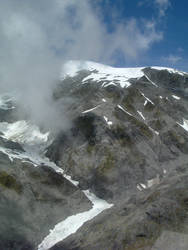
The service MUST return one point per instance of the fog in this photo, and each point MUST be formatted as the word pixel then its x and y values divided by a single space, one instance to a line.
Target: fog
pixel 38 36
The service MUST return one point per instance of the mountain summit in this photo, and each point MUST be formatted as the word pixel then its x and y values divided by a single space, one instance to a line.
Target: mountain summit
pixel 117 178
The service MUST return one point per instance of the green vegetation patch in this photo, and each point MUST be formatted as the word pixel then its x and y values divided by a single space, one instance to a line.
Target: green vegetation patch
pixel 108 162
pixel 10 182
pixel 122 136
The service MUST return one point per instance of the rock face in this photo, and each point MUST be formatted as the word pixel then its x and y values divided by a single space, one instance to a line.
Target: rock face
pixel 33 200
pixel 139 221
pixel 128 144
pixel 131 136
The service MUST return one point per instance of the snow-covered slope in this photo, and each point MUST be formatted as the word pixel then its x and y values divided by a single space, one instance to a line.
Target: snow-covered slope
pixel 106 73
pixel 128 127
pixel 34 142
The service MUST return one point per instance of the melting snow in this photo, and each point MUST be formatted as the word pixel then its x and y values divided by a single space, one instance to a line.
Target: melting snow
pixel 124 110
pixel 89 110
pixel 70 225
pixel 23 132
pixel 146 98
pixel 156 132
pixel 149 183
pixel 185 124
pixel 29 136
pixel 153 181
pixel 108 121
pixel 176 97
pixel 151 81
pixel 170 70
pixel 140 113
pixel 103 72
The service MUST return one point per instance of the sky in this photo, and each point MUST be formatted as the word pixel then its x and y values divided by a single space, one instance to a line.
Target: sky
pixel 168 46
pixel 38 36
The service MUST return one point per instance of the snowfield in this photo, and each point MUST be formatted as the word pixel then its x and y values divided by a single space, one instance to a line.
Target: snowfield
pixel 112 76
pixel 33 140
pixel 74 222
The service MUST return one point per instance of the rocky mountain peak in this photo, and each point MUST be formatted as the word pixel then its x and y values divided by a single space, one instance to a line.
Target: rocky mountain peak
pixel 118 172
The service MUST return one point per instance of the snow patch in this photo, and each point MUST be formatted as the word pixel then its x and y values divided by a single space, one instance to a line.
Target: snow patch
pixel 184 125
pixel 119 106
pixel 100 72
pixel 108 121
pixel 89 110
pixel 147 98
pixel 170 70
pixel 70 225
pixel 156 132
pixel 149 183
pixel 153 181
pixel 151 81
pixel 145 102
pixel 140 113
pixel 23 132
pixel 176 97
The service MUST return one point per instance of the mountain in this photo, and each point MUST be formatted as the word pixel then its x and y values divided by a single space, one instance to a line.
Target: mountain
pixel 117 178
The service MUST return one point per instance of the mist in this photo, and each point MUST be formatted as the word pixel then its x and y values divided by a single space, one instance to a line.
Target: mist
pixel 38 36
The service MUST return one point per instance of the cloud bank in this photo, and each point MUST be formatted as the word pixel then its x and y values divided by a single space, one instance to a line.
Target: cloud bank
pixel 37 36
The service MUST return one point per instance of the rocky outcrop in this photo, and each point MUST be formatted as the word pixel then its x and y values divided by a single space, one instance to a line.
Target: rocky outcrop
pixel 129 146
pixel 131 138
pixel 127 143
pixel 33 200
pixel 139 221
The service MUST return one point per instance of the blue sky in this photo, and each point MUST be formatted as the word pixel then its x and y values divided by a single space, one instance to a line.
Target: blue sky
pixel 124 33
pixel 170 19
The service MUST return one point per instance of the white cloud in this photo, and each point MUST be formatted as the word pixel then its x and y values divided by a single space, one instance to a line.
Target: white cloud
pixel 172 59
pixel 36 36
pixel 163 6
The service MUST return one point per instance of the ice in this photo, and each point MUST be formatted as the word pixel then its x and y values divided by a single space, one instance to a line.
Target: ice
pixel 107 74
pixel 108 121
pixel 71 224
pixel 170 70
pixel 89 110
pixel 120 107
pixel 176 97
pixel 156 132
pixel 184 125
pixel 143 185
pixel 151 81
pixel 140 113
pixel 100 72
pixel 31 138
pixel 153 181
pixel 23 132
pixel 147 98
pixel 145 102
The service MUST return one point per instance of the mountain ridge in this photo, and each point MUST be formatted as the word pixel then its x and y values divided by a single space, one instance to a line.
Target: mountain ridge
pixel 127 145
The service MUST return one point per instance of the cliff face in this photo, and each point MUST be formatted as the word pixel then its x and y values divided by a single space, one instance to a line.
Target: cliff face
pixel 128 144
